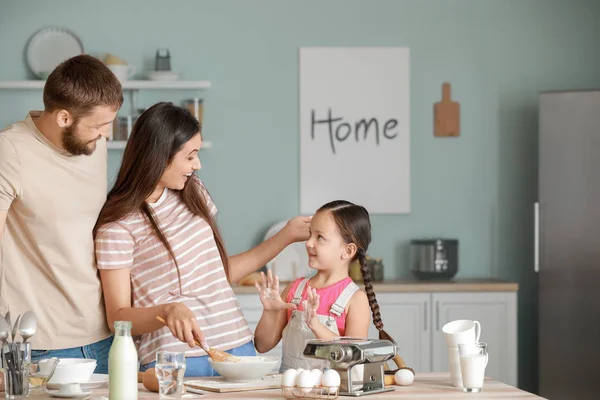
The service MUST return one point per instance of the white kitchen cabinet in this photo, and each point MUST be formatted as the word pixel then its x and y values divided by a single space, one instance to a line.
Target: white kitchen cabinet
pixel 497 314
pixel 407 318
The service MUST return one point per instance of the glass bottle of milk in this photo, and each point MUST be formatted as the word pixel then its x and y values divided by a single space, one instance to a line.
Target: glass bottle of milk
pixel 122 364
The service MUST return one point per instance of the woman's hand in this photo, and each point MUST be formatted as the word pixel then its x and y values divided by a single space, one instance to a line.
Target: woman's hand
pixel 311 305
pixel 183 324
pixel 297 229
pixel 268 291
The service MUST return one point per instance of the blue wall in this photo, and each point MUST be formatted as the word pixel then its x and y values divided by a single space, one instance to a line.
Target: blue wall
pixel 479 188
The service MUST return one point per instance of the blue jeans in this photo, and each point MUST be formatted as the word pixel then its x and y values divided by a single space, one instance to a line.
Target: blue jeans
pixel 97 351
pixel 199 366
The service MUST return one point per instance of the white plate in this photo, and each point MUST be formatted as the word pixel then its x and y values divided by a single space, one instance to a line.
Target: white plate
pixel 292 262
pixel 49 47
pixel 163 76
pixel 97 380
pixel 55 393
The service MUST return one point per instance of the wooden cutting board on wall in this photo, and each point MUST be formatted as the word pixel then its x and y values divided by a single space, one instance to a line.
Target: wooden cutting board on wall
pixel 446 115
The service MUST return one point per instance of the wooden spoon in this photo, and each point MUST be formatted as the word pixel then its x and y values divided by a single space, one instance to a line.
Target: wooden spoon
pixel 216 355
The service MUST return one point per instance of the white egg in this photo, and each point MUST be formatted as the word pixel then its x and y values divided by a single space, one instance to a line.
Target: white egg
pixel 317 374
pixel 331 379
pixel 289 378
pixel 305 381
pixel 404 377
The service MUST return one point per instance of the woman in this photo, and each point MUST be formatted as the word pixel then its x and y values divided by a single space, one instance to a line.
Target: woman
pixel 160 253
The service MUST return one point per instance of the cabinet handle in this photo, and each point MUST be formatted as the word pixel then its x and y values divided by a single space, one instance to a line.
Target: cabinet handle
pixel 536 237
pixel 437 315
pixel 425 316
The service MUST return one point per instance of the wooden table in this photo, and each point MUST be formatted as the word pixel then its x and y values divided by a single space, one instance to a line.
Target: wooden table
pixel 425 386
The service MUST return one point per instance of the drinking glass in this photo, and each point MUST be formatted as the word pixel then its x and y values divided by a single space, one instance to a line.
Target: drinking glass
pixel 473 360
pixel 170 369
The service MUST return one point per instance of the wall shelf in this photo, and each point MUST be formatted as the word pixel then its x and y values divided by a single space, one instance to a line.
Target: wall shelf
pixel 120 145
pixel 128 85
pixel 133 85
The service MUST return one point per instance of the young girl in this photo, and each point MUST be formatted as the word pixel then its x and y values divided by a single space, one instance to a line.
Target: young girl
pixel 329 304
pixel 160 253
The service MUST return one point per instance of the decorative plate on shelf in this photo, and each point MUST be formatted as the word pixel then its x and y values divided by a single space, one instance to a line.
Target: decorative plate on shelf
pixel 49 47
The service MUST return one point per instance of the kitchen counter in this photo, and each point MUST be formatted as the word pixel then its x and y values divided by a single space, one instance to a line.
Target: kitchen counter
pixel 406 286
pixel 426 386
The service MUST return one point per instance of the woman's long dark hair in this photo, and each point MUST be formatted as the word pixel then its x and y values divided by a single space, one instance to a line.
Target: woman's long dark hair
pixel 157 135
pixel 354 226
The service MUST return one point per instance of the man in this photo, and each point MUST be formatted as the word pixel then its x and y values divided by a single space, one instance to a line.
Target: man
pixel 52 186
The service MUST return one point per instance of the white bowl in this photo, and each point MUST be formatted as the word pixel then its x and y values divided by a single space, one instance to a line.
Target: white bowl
pixel 73 370
pixel 247 369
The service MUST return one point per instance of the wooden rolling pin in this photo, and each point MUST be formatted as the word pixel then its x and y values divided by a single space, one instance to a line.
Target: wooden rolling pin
pixel 389 375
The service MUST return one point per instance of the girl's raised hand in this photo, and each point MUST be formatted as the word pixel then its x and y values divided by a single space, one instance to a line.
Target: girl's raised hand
pixel 311 305
pixel 268 290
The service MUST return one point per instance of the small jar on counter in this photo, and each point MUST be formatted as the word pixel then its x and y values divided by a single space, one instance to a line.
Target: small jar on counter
pixel 375 267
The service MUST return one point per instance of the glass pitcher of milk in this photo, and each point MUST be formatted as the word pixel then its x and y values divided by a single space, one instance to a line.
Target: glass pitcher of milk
pixel 122 364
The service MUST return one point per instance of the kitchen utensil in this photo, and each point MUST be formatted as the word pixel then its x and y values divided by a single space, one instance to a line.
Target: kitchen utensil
pixel 162 61
pixel 220 385
pixel 4 330
pixel 345 354
pixel 7 318
pixel 111 59
pixel 16 358
pixel 170 369
pixel 434 258
pixel 71 370
pixel 388 378
pixel 454 366
pixel 96 381
pixel 15 328
pixel 461 331
pixel 473 360
pixel 70 391
pixel 123 72
pixel 447 115
pixel 28 325
pixel 49 47
pixel 217 355
pixel 40 374
pixel 248 369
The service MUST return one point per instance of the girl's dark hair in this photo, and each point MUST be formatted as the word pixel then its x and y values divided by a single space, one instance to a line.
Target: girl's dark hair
pixel 354 226
pixel 157 135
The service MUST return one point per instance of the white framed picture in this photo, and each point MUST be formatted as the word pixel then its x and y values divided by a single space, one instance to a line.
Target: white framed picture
pixel 355 127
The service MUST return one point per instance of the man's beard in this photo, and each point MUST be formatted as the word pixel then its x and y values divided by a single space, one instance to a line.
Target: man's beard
pixel 73 144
